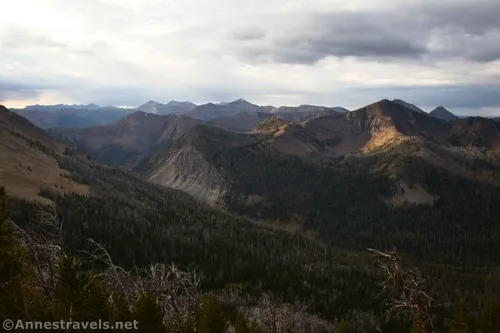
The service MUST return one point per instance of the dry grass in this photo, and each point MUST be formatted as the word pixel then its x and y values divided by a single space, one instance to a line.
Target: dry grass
pixel 24 170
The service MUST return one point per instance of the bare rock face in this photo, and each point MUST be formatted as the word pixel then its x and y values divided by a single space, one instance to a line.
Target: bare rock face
pixel 186 169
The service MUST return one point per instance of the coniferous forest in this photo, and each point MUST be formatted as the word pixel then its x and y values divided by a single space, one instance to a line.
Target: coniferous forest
pixel 142 252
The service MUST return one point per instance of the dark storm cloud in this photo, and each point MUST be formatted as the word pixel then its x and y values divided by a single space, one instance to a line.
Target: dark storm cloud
pixel 474 17
pixel 429 31
pixel 337 36
pixel 459 95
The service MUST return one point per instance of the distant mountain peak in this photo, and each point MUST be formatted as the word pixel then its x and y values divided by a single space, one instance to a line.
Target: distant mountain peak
pixel 180 103
pixel 241 101
pixel 172 107
pixel 442 113
pixel 151 102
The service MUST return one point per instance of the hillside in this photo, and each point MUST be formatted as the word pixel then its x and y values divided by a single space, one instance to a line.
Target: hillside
pixel 130 138
pixel 270 124
pixel 309 176
pixel 29 159
pixel 239 122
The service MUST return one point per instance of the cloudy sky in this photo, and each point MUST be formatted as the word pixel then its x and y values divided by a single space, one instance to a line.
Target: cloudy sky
pixel 279 52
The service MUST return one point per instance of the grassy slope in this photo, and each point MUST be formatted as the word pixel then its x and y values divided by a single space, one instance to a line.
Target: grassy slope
pixel 29 160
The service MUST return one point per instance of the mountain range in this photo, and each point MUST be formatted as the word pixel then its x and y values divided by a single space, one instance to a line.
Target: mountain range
pixel 282 199
pixel 239 115
pixel 140 132
pixel 376 130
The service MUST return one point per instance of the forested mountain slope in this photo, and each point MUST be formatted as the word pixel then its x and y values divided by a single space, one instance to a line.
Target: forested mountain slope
pixel 326 272
pixel 396 184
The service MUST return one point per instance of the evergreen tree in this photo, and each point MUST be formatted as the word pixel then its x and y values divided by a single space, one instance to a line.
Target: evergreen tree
pixel 95 304
pixel 13 302
pixel 462 320
pixel 148 314
pixel 490 319
pixel 243 325
pixel 420 323
pixel 343 328
pixel 212 318
pixel 70 288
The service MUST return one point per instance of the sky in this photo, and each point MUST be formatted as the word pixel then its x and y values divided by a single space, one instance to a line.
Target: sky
pixel 269 52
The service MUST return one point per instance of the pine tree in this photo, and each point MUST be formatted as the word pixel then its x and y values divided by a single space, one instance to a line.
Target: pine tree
pixel 461 320
pixel 420 324
pixel 12 301
pixel 490 319
pixel 70 288
pixel 95 303
pixel 212 318
pixel 148 314
pixel 243 325
pixel 20 297
pixel 343 328
pixel 120 310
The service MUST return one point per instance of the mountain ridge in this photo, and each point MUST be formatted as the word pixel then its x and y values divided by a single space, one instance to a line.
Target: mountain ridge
pixel 172 107
pixel 134 136
pixel 380 128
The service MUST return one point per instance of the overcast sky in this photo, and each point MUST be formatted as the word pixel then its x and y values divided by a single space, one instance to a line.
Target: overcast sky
pixel 326 52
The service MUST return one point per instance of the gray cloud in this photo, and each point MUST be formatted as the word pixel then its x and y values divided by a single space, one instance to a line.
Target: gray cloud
pixel 248 33
pixel 458 95
pixel 428 30
pixel 474 17
pixel 125 52
pixel 18 90
pixel 340 38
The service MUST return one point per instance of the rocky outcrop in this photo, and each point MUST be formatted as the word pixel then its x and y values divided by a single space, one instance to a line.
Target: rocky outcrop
pixel 186 169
